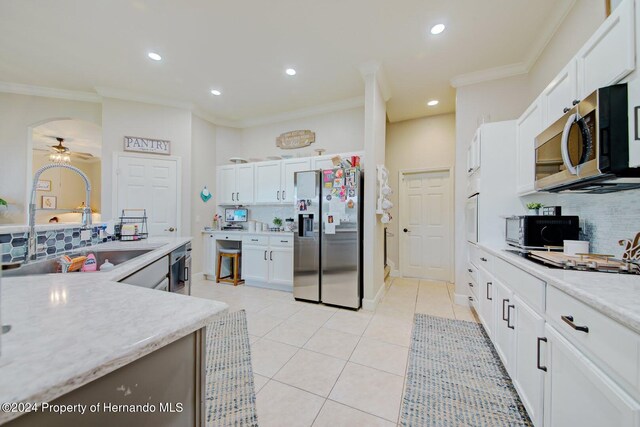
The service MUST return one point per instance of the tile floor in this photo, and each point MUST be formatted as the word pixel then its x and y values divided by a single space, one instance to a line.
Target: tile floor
pixel 321 366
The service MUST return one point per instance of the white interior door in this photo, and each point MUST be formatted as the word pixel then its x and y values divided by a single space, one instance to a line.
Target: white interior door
pixel 425 225
pixel 152 184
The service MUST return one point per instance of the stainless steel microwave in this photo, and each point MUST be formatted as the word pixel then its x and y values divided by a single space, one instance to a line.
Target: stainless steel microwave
pixel 587 149
pixel 538 231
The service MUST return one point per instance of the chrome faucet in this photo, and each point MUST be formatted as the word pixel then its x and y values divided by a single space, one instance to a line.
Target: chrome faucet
pixel 32 247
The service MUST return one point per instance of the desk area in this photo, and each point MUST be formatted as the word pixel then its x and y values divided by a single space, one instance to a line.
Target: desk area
pixel 267 257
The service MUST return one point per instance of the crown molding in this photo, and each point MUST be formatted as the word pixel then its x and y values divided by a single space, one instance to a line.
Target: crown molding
pixel 527 64
pixel 48 92
pixel 376 69
pixel 346 104
pixel 125 95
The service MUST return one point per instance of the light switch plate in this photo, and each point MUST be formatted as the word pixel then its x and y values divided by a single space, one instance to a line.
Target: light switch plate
pixel 85 234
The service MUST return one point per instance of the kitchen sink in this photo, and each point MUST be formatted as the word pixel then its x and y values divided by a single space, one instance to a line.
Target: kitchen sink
pixel 49 266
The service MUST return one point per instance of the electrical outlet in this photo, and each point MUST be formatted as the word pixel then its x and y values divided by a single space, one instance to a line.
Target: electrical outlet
pixel 85 234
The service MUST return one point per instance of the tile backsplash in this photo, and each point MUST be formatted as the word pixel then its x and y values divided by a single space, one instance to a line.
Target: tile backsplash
pixel 605 218
pixel 50 243
pixel 266 213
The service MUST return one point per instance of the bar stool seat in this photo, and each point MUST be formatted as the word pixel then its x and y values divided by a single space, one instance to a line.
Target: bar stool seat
pixel 234 255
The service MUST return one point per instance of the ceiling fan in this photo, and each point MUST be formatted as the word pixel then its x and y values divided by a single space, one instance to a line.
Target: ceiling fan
pixel 62 153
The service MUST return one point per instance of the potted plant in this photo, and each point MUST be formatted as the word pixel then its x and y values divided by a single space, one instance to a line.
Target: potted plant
pixel 534 208
pixel 4 206
pixel 277 222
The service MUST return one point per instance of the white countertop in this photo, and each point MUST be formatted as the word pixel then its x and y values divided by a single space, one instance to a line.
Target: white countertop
pixel 615 295
pixel 247 232
pixel 70 329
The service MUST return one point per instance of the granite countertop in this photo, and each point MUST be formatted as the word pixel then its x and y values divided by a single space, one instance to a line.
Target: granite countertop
pixel 70 329
pixel 615 295
pixel 247 232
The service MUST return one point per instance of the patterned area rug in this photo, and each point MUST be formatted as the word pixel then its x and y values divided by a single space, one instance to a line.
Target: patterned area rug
pixel 456 378
pixel 230 394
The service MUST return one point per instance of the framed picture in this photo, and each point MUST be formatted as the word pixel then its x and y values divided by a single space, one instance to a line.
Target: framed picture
pixel 49 202
pixel 43 185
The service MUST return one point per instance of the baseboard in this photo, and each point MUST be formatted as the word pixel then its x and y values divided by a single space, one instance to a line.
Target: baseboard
pixel 461 299
pixel 371 304
pixel 198 276
pixel 395 273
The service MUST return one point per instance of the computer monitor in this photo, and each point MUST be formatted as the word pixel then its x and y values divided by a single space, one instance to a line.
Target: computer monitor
pixel 235 215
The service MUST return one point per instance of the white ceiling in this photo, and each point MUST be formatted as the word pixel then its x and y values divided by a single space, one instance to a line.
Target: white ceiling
pixel 243 47
pixel 79 136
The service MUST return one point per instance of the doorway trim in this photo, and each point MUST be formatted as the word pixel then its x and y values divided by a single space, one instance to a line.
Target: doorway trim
pixel 401 193
pixel 114 182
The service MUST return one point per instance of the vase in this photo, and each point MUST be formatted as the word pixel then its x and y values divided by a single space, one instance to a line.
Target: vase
pixel 533 212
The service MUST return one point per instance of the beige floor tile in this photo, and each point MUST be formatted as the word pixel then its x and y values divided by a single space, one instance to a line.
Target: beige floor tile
pixel 269 356
pixel 390 330
pixel 259 381
pixel 260 324
pixel 369 390
pixel 313 315
pixel 405 281
pixel 333 343
pixel 334 414
pixel 280 405
pixel 434 309
pixel 406 303
pixel 381 355
pixel 351 322
pixel 293 332
pixel 464 313
pixel 310 371
pixel 395 312
pixel 282 309
pixel 253 338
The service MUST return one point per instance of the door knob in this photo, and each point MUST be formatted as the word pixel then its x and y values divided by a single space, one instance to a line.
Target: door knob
pixel 170 229
pixel 406 230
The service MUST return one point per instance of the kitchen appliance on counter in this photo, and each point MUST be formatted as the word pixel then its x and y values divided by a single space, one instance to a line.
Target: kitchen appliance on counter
pixel 582 262
pixel 180 270
pixel 587 149
pixel 540 231
pixel 328 239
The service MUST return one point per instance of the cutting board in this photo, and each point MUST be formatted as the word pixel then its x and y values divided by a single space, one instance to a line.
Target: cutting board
pixel 559 259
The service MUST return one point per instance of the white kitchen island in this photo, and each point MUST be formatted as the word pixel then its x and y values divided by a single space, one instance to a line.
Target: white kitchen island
pixel 85 338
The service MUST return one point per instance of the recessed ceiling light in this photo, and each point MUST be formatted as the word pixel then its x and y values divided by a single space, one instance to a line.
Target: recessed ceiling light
pixel 216 92
pixel 437 29
pixel 290 71
pixel 154 56
pixel 433 103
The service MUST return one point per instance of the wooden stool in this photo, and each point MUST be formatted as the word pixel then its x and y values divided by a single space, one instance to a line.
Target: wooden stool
pixel 234 277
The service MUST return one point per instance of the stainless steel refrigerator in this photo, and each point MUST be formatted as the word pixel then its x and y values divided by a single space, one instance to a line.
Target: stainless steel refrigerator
pixel 328 241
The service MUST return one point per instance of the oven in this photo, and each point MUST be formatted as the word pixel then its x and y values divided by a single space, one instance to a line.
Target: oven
pixel 180 270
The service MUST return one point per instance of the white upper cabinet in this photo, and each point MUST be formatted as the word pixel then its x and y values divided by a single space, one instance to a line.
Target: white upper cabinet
pixel 235 184
pixel 528 126
pixel 321 162
pixel 289 168
pixel 561 93
pixel 268 188
pixel 244 183
pixel 609 55
pixel 226 184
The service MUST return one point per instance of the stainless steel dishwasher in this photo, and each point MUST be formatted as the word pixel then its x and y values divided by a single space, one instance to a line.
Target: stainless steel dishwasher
pixel 152 276
pixel 180 270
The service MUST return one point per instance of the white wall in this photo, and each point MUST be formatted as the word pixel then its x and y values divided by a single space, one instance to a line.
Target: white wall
pixel 203 173
pixel 125 118
pixel 337 132
pixel 18 113
pixel 424 143
pixel 228 144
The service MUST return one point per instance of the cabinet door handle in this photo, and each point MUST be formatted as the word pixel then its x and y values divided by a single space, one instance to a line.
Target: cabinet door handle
pixel 509 307
pixel 233 197
pixel 483 259
pixel 283 195
pixel 284 241
pixel 278 194
pixel 265 255
pixel 270 255
pixel 237 196
pixel 254 240
pixel 566 109
pixel 542 368
pixel 471 299
pixel 469 270
pixel 569 321
pixel 470 284
pixel 504 316
pixel 488 297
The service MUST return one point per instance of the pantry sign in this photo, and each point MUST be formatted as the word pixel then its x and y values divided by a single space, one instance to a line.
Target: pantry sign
pixel 147 145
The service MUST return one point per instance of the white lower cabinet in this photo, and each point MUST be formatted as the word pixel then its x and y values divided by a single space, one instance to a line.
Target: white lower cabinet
pixel 486 300
pixel 209 253
pixel 281 265
pixel 578 393
pixel 255 264
pixel 527 375
pixel 503 332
